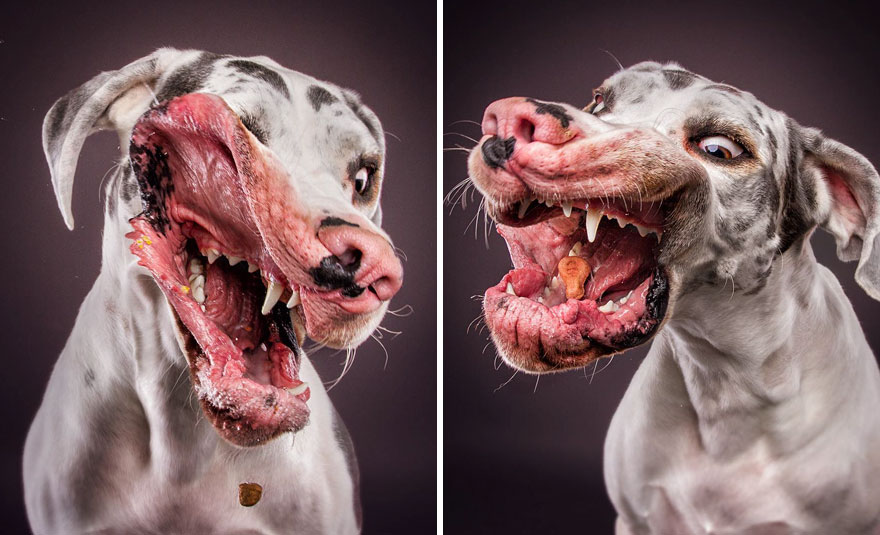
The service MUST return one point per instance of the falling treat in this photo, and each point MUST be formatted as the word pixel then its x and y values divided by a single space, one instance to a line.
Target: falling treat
pixel 249 494
pixel 573 270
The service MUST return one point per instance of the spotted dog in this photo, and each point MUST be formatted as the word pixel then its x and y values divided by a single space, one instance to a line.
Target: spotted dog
pixel 244 216
pixel 688 206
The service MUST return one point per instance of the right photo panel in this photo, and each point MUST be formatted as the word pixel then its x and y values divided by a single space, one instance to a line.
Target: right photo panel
pixel 661 268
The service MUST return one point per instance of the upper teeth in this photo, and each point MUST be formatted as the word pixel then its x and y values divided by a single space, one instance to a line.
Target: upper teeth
pixel 509 289
pixel 594 216
pixel 566 208
pixel 273 294
pixel 294 299
pixel 524 206
pixel 213 255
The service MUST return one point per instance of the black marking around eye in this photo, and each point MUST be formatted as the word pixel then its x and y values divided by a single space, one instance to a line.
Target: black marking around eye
pixel 318 96
pixel 254 123
pixel 189 78
pixel 678 79
pixel 336 222
pixel 261 72
pixel 554 110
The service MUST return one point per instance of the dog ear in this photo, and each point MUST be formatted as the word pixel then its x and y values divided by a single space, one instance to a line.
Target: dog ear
pixel 110 100
pixel 852 215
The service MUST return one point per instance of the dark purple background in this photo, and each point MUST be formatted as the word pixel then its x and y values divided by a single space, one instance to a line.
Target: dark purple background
pixel 386 52
pixel 527 458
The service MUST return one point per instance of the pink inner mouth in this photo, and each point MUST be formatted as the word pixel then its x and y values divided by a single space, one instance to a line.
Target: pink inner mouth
pixel 528 310
pixel 199 239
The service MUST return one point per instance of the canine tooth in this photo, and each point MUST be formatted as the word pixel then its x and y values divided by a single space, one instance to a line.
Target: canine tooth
pixel 199 294
pixel 575 249
pixel 294 299
pixel 213 255
pixel 608 307
pixel 299 389
pixel 233 260
pixel 566 208
pixel 273 294
pixel 510 289
pixel 252 267
pixel 593 218
pixel 523 207
pixel 298 328
pixel 195 266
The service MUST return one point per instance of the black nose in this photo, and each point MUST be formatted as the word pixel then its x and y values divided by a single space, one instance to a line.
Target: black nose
pixel 496 151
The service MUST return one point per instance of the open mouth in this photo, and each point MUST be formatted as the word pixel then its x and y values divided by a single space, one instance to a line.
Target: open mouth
pixel 241 305
pixel 586 281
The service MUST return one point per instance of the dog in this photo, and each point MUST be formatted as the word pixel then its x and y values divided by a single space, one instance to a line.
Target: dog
pixel 677 209
pixel 243 217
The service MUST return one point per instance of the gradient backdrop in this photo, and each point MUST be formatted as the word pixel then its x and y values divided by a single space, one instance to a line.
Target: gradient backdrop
pixel 527 457
pixel 386 52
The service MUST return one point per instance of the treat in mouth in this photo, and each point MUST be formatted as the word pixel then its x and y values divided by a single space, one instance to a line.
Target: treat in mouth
pixel 586 280
pixel 246 268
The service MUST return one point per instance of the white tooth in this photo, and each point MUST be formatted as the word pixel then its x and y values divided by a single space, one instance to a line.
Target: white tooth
pixel 523 207
pixel 195 266
pixel 252 267
pixel 554 282
pixel 299 389
pixel 620 222
pixel 566 208
pixel 192 278
pixel 546 292
pixel 642 230
pixel 273 293
pixel 203 307
pixel 198 294
pixel 549 204
pixel 263 346
pixel 623 300
pixel 197 281
pixel 213 254
pixel 233 260
pixel 594 216
pixel 510 289
pixel 294 299
pixel 607 308
pixel 575 249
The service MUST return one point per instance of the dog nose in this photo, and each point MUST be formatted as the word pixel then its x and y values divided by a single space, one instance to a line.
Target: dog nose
pixel 515 122
pixel 360 260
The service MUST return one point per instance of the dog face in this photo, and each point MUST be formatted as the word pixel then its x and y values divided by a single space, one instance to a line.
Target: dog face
pixel 665 184
pixel 253 200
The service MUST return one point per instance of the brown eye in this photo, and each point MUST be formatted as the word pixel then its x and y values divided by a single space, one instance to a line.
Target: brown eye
pixel 362 180
pixel 720 147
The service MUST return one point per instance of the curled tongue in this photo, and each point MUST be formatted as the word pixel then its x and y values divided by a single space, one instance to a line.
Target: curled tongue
pixel 573 270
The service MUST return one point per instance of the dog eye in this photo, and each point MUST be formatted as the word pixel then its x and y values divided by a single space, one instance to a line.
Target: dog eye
pixel 362 180
pixel 598 104
pixel 720 147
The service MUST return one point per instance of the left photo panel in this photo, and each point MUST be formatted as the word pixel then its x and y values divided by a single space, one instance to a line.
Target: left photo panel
pixel 225 225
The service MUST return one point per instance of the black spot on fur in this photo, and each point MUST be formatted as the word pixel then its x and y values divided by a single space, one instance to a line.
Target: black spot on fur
pixel 496 151
pixel 759 111
pixel 189 78
pixel 336 222
pixel 89 377
pixel 554 110
pixel 678 80
pixel 798 198
pixel 332 274
pixel 318 96
pixel 261 72
pixel 150 164
pixel 354 104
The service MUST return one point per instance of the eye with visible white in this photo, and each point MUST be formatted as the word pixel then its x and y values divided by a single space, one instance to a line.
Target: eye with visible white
pixel 362 180
pixel 598 104
pixel 721 147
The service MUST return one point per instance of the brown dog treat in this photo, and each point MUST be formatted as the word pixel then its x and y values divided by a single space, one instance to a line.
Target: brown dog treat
pixel 573 270
pixel 249 494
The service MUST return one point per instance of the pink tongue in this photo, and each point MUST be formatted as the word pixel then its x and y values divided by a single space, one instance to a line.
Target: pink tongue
pixel 233 303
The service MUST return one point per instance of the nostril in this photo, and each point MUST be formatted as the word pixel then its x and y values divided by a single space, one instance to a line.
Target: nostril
pixel 350 258
pixel 490 125
pixel 525 130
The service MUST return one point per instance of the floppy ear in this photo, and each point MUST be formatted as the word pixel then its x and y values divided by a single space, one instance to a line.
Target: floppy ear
pixel 110 100
pixel 852 215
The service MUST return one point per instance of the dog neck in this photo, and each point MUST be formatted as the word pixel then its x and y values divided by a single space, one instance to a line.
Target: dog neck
pixel 763 365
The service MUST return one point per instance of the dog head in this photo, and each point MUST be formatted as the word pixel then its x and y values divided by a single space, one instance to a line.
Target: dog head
pixel 665 184
pixel 251 194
